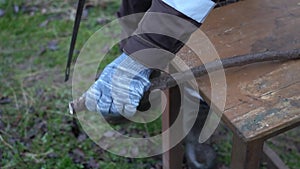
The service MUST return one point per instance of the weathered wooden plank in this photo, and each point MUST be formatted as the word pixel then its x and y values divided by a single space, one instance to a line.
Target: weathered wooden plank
pixel 263 98
pixel 271 102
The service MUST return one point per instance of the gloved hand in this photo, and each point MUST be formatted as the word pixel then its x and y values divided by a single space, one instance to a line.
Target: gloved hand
pixel 119 88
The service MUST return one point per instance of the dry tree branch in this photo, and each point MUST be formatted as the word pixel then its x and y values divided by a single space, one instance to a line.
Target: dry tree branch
pixel 167 81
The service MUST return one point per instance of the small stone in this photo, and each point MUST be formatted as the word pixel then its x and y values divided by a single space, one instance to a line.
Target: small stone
pixel 52 155
pixel 135 151
pixel 109 134
pixel 44 10
pixel 2 12
pixel 53 45
pixel 45 23
pixel 16 8
pixel 85 14
pixel 93 163
pixel 81 137
pixel 5 100
pixel 102 21
pixel 123 152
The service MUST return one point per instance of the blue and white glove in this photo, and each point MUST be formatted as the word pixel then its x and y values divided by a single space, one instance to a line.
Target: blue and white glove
pixel 119 88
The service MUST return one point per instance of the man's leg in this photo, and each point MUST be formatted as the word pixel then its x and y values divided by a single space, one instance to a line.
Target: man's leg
pixel 199 156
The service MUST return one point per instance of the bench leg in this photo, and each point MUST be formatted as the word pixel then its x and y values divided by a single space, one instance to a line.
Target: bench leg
pixel 173 158
pixel 246 155
pixel 272 159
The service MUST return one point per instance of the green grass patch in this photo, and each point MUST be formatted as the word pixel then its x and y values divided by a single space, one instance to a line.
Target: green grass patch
pixel 35 128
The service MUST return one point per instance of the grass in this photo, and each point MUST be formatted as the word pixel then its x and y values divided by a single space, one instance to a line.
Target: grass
pixel 35 128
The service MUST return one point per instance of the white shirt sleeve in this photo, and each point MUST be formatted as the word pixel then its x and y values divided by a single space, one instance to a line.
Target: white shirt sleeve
pixel 195 9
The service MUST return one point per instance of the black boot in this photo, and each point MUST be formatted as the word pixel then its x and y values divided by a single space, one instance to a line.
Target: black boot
pixel 199 156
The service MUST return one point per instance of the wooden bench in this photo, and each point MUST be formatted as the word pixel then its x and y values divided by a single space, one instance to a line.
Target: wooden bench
pixel 263 99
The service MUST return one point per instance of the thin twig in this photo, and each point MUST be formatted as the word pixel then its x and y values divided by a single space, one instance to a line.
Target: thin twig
pixel 5 143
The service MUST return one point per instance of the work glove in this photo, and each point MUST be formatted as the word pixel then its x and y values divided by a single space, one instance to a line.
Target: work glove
pixel 119 88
